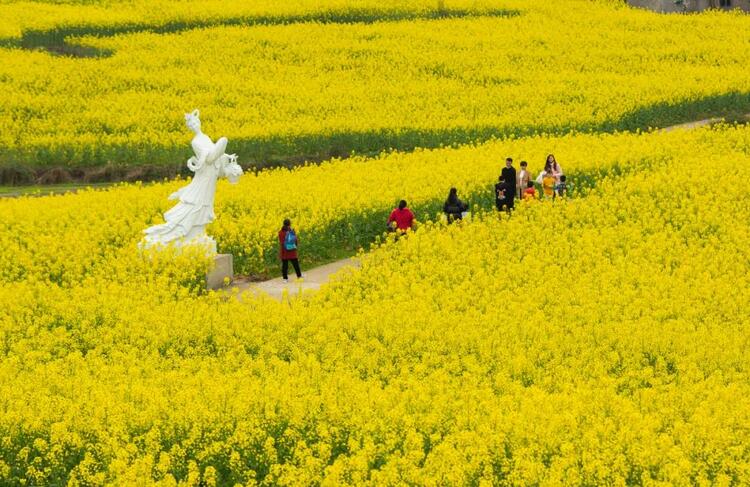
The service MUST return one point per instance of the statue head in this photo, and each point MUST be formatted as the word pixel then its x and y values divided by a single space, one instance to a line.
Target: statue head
pixel 192 121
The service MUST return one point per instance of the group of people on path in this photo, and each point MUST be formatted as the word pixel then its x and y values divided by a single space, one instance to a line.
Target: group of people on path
pixel 514 184
pixel 511 185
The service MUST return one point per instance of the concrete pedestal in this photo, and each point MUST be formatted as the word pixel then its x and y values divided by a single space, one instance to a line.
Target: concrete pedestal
pixel 223 268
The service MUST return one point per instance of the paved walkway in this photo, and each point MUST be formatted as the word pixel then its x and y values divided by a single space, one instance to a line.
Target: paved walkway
pixel 311 280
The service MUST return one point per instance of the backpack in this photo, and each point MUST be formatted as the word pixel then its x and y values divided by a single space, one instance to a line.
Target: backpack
pixel 290 240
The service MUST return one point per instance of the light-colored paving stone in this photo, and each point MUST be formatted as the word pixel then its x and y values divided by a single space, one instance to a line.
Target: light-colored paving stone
pixel 312 280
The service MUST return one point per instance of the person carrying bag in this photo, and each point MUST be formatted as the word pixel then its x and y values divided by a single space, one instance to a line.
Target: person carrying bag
pixel 288 244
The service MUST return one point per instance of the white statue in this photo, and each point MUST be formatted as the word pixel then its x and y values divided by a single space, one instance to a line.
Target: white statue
pixel 186 221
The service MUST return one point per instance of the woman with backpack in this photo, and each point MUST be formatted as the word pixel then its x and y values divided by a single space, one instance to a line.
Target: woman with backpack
pixel 288 243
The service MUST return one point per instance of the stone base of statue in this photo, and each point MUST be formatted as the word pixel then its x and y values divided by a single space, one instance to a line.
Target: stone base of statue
pixel 223 272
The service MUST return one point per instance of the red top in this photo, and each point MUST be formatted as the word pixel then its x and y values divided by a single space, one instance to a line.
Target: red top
pixel 284 253
pixel 403 218
pixel 529 193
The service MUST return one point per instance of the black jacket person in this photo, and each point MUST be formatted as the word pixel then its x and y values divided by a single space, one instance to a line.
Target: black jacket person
pixel 454 207
pixel 509 175
pixel 501 194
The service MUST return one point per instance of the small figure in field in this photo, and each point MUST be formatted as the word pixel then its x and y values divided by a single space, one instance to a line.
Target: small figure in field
pixel 509 175
pixel 524 177
pixel 552 165
pixel 561 188
pixel 548 185
pixel 401 219
pixel 454 207
pixel 288 244
pixel 529 194
pixel 501 192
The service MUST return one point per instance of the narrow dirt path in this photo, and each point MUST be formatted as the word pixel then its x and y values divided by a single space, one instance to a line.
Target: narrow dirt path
pixel 691 125
pixel 701 123
pixel 311 280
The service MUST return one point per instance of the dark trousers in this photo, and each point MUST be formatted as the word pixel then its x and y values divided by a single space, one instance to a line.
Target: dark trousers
pixel 285 268
pixel 504 204
pixel 511 200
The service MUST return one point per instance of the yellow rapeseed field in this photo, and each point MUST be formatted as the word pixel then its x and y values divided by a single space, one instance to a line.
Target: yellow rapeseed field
pixel 283 93
pixel 47 16
pixel 335 205
pixel 598 339
pixel 595 340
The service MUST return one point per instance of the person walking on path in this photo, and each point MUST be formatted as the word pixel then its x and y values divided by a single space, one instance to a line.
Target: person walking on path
pixel 454 207
pixel 288 245
pixel 561 188
pixel 402 217
pixel 501 194
pixel 529 193
pixel 509 176
pixel 548 185
pixel 552 167
pixel 522 182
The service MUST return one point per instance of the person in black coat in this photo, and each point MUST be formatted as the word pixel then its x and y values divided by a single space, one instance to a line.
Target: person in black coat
pixel 454 207
pixel 509 175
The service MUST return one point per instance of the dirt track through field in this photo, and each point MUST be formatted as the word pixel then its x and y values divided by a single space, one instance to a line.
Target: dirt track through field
pixel 312 280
